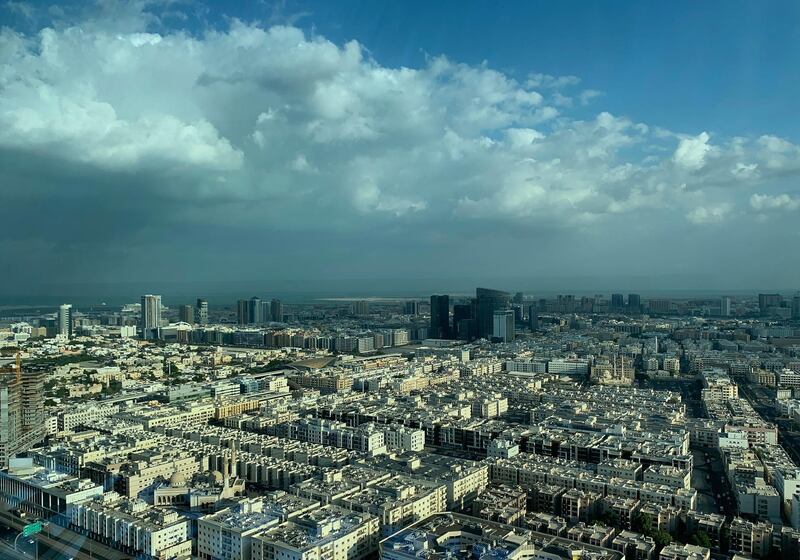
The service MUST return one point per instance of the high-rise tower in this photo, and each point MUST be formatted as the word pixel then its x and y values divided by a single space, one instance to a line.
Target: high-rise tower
pixel 151 316
pixel 411 307
pixel 186 314
pixel 489 301
pixel 503 325
pixel 65 320
pixel 462 320
pixel 725 306
pixel 243 312
pixel 440 317
pixel 254 311
pixel 202 312
pixel 276 308
pixel 533 318
pixel 22 419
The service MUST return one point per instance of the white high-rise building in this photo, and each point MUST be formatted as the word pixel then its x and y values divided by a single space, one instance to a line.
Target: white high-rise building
pixel 151 316
pixel 65 320
pixel 725 306
pixel 503 325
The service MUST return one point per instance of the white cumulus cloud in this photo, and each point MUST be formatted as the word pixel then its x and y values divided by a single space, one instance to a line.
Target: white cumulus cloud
pixel 767 203
pixel 691 152
pixel 704 215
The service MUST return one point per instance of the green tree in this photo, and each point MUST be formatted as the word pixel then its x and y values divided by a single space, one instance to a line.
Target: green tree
pixel 642 523
pixel 662 538
pixel 700 538
pixel 609 518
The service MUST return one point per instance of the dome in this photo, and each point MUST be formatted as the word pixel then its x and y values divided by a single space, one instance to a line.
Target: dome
pixel 218 478
pixel 177 480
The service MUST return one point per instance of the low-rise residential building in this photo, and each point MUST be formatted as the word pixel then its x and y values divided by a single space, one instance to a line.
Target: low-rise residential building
pixel 329 532
pixel 133 526
pixel 750 538
pixel 680 551
pixel 634 546
pixel 227 534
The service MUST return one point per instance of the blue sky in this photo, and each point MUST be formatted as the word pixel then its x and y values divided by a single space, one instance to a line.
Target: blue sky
pixel 523 143
pixel 729 66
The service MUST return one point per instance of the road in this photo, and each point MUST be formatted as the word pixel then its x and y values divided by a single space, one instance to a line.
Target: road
pixel 708 476
pixel 689 390
pixel 26 547
pixel 55 543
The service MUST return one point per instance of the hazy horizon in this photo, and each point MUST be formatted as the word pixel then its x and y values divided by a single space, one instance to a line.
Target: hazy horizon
pixel 226 293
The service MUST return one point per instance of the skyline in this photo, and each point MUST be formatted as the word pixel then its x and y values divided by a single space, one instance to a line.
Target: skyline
pixel 299 145
pixel 175 297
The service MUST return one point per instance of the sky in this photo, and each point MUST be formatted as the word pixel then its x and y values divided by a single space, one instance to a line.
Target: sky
pixel 398 146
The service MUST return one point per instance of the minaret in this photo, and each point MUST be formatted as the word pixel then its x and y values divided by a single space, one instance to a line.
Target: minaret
pixel 225 469
pixel 234 466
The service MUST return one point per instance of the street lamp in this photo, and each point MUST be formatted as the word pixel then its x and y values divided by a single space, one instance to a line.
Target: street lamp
pixel 31 530
pixel 33 540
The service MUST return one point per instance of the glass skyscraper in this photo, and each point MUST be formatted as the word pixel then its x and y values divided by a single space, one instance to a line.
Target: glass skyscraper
pixel 489 301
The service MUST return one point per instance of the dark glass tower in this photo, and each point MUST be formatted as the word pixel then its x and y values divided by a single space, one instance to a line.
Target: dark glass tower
pixel 242 312
pixel 254 311
pixel 489 301
pixel 533 318
pixel 461 312
pixel 276 310
pixel 440 317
